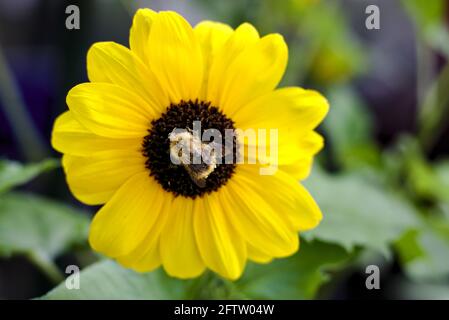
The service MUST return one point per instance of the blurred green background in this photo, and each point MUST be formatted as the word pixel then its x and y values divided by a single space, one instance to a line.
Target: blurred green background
pixel 382 180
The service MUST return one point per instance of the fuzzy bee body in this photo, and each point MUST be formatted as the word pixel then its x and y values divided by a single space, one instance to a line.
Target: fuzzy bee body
pixel 198 159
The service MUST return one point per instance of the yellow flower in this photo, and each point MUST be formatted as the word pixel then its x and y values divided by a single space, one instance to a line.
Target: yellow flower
pixel 117 151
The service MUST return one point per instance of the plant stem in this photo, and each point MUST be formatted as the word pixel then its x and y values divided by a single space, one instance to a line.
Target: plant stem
pixel 28 137
pixel 47 266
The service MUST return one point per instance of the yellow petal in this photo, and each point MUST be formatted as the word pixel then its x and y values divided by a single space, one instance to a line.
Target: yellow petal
pixel 69 136
pixel 140 33
pixel 110 62
pixel 221 247
pixel 125 221
pixel 308 215
pixel 254 72
pixel 243 37
pixel 288 150
pixel 293 109
pixel 144 259
pixel 175 56
pixel 289 153
pixel 295 150
pixel 296 159
pixel 291 199
pixel 178 248
pixel 258 256
pixel 146 256
pixel 94 179
pixel 293 113
pixel 212 37
pixel 256 218
pixel 109 110
pixel 311 142
pixel 300 169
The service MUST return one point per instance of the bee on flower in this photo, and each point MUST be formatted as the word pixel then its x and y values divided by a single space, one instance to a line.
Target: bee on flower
pixel 116 145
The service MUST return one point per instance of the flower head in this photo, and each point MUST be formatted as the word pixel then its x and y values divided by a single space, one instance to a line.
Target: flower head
pixel 119 143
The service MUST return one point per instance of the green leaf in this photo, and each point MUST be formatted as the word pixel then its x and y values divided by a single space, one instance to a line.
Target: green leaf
pixel 408 247
pixel 442 174
pixel 349 131
pixel 424 181
pixel 37 226
pixel 429 20
pixel 426 13
pixel 433 110
pixel 14 173
pixel 108 280
pixel 296 277
pixel 358 212
pixel 338 55
pixel 420 291
pixel 433 242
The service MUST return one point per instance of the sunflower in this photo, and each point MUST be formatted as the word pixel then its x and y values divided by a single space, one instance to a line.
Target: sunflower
pixel 116 150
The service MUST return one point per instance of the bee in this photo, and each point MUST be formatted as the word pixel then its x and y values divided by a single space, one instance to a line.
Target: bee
pixel 198 159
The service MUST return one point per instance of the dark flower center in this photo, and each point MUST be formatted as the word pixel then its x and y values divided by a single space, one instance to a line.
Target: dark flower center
pixel 195 179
